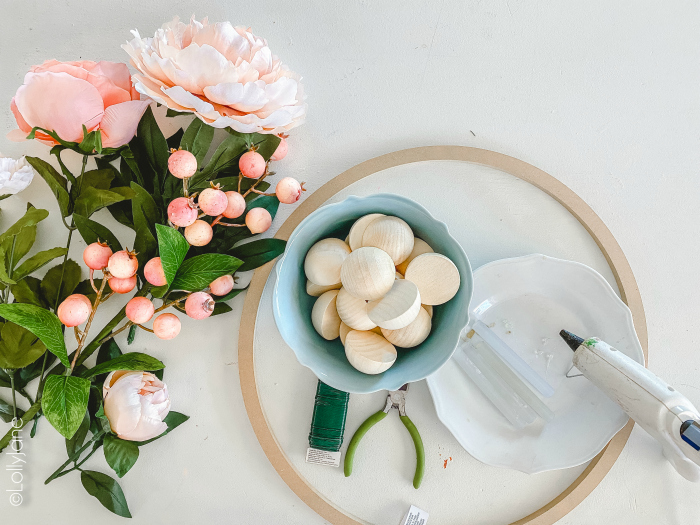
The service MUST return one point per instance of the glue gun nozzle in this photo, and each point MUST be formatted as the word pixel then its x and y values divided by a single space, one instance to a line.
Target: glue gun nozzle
pixel 572 340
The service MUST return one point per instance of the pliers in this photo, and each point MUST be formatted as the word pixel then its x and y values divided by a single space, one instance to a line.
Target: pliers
pixel 395 399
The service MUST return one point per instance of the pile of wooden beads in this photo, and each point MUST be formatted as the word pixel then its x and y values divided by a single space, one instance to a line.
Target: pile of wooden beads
pixel 376 290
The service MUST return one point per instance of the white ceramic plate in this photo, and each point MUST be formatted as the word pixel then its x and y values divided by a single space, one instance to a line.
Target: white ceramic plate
pixel 529 300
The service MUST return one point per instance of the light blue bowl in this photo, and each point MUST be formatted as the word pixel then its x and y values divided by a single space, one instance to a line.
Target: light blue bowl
pixel 292 305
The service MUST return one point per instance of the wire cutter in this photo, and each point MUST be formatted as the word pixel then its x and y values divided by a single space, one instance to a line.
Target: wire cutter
pixel 395 399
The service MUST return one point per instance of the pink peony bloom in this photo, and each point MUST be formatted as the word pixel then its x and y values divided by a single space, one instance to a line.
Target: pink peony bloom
pixel 225 75
pixel 64 96
pixel 135 404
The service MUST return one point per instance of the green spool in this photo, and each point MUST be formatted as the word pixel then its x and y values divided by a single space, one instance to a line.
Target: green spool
pixel 328 422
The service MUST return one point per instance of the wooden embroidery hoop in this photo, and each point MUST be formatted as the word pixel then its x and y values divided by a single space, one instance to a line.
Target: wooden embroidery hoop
pixel 598 467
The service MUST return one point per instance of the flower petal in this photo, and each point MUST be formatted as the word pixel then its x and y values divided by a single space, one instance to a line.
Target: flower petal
pixel 243 97
pixel 120 122
pixel 122 403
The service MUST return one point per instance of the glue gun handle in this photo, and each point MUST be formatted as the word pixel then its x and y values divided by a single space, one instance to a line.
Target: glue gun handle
pixel 684 466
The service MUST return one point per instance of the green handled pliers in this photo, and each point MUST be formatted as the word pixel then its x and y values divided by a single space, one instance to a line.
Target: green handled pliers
pixel 395 399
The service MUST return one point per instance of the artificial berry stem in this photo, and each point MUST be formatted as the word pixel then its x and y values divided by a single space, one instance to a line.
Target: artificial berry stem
pixel 240 180
pixel 231 225
pixel 76 331
pixel 144 328
pixel 89 322
pixel 92 282
pixel 185 186
pixel 252 188
pixel 171 303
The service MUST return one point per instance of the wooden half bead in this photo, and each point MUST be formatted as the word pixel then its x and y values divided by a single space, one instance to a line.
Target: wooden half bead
pixel 428 308
pixel 368 273
pixel 392 235
pixel 353 311
pixel 323 261
pixel 399 276
pixel 368 352
pixel 411 335
pixel 436 277
pixel 324 316
pixel 357 230
pixel 314 290
pixel 344 330
pixel 419 248
pixel 399 306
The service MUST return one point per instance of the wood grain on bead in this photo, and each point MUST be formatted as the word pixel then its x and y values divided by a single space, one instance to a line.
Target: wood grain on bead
pixel 412 334
pixel 315 290
pixel 392 235
pixel 419 248
pixel 436 277
pixel 344 330
pixel 323 261
pixel 357 231
pixel 398 307
pixel 428 308
pixel 353 311
pixel 368 352
pixel 368 273
pixel 324 316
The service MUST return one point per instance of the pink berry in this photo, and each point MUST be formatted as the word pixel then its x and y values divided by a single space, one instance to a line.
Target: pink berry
pixel 288 190
pixel 139 310
pixel 153 272
pixel 74 310
pixel 123 264
pixel 222 285
pixel 182 164
pixel 122 285
pixel 235 206
pixel 96 255
pixel 182 211
pixel 258 220
pixel 252 165
pixel 212 201
pixel 166 326
pixel 199 305
pixel 281 151
pixel 199 233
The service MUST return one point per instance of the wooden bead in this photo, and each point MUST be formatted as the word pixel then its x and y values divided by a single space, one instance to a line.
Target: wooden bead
pixel 428 308
pixel 314 290
pixel 436 277
pixel 419 248
pixel 323 261
pixel 399 306
pixel 399 276
pixel 392 235
pixel 324 316
pixel 368 352
pixel 344 330
pixel 412 334
pixel 357 230
pixel 353 311
pixel 368 273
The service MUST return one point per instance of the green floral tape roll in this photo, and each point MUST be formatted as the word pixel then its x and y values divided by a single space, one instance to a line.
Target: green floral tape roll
pixel 328 422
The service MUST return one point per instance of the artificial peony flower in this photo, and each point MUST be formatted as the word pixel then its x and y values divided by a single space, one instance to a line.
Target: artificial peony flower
pixel 225 75
pixel 15 175
pixel 135 404
pixel 65 96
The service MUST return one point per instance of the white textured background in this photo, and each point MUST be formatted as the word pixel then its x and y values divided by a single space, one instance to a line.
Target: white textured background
pixel 602 95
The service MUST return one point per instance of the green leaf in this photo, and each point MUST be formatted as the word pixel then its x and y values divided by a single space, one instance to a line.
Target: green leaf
pixel 22 244
pixel 225 155
pixel 108 351
pixel 197 273
pixel 120 454
pixel 73 444
pixel 270 202
pixel 130 361
pixel 173 113
pixel 18 347
pixel 41 323
pixel 64 402
pixel 146 214
pixel 92 231
pixel 93 199
pixel 28 290
pixel 258 252
pixel 150 151
pixel 37 261
pixel 50 282
pixel 27 374
pixel 56 150
pixel 7 412
pixel 172 248
pixel 100 179
pixel 221 308
pixel 173 140
pixel 57 183
pixel 90 141
pixel 230 295
pixel 172 420
pixel 132 334
pixel 31 218
pixel 197 139
pixel 106 490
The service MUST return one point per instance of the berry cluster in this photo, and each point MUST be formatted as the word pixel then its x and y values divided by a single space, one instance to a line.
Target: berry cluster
pixel 185 212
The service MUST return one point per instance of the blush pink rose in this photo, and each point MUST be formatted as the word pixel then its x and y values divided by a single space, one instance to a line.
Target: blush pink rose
pixel 65 96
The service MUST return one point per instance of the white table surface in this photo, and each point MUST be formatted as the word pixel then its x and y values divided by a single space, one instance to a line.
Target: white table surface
pixel 603 96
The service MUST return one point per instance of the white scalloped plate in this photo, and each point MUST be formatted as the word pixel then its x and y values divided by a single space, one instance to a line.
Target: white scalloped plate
pixel 529 300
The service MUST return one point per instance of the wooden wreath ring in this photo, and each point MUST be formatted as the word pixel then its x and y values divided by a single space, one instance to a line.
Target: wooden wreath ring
pixel 598 467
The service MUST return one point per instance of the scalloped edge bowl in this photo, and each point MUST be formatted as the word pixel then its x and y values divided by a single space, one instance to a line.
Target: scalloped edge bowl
pixel 292 306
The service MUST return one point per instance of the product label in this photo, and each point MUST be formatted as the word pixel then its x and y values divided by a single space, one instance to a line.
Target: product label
pixel 322 457
pixel 415 516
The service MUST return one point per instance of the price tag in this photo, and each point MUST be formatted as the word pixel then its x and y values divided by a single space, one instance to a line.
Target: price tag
pixel 415 516
pixel 322 457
